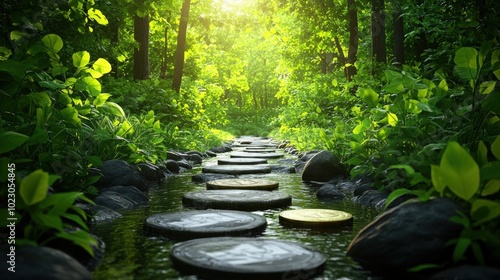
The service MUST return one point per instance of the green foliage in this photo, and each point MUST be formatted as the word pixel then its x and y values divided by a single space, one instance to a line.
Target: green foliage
pixel 44 217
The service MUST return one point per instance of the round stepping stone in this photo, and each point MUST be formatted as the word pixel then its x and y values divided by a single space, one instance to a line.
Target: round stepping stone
pixel 204 223
pixel 246 258
pixel 236 169
pixel 242 184
pixel 246 200
pixel 241 161
pixel 315 218
pixel 255 155
pixel 259 151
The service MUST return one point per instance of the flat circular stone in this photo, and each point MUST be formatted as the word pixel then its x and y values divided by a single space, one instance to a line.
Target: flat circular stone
pixel 246 200
pixel 255 155
pixel 204 223
pixel 236 169
pixel 242 184
pixel 246 258
pixel 315 218
pixel 241 161
pixel 259 151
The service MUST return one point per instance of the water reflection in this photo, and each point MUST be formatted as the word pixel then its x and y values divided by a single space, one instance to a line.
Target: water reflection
pixel 132 255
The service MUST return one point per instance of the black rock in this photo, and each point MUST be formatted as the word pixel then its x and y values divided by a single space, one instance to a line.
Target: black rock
pixel 206 177
pixel 323 167
pixel 371 198
pixel 99 213
pixel 468 272
pixel 121 173
pixel 151 172
pixel 172 166
pixel 43 263
pixel 330 192
pixel 114 201
pixel 173 155
pixel 406 236
pixel 183 164
pixel 196 158
pixel 130 193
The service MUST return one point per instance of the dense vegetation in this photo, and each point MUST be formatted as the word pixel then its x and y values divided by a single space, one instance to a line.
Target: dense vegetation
pixel 391 87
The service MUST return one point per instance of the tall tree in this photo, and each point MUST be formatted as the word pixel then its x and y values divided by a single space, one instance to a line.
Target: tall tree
pixel 181 46
pixel 379 52
pixel 352 55
pixel 141 36
pixel 399 35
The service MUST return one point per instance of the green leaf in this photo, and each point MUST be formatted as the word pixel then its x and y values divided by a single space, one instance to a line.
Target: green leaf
pixel 438 180
pixel 487 87
pixel 369 96
pixel 52 85
pixel 395 194
pixel 70 115
pixel 495 57
pixel 495 147
pixel 493 208
pixel 460 248
pixel 492 187
pixel 482 154
pixel 92 86
pixel 392 119
pixel 34 187
pixel 101 99
pixel 489 171
pixel 459 170
pixel 114 109
pixel 81 59
pixel 53 42
pixel 466 63
pixel 97 15
pixel 10 140
pixel 102 66
pixel 408 168
pixel 50 221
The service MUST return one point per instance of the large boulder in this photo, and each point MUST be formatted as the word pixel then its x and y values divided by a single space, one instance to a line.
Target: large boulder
pixel 323 167
pixel 131 193
pixel 99 213
pixel 151 172
pixel 408 235
pixel 114 201
pixel 43 263
pixel 330 192
pixel 468 272
pixel 121 173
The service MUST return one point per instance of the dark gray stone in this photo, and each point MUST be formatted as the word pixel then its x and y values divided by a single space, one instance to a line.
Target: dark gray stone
pixel 406 236
pixel 99 213
pixel 323 167
pixel 468 272
pixel 330 192
pixel 43 263
pixel 211 154
pixel 151 172
pixel 195 158
pixel 131 193
pixel 183 164
pixel 173 155
pixel 121 173
pixel 114 200
pixel 206 177
pixel 221 149
pixel 361 188
pixel 172 166
pixel 371 198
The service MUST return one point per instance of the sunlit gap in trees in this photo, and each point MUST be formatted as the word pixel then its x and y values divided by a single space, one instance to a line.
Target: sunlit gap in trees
pixel 231 5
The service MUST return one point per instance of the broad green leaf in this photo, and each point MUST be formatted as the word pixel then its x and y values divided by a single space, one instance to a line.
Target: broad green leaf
pixel 406 167
pixel 97 15
pixel 487 87
pixel 101 99
pixel 466 63
pixel 392 119
pixel 438 180
pixel 114 109
pixel 395 87
pixel 53 42
pixel 157 127
pixel 54 85
pixel 493 208
pixel 10 140
pixel 395 194
pixel 81 59
pixel 492 102
pixel 495 57
pixel 70 115
pixel 460 248
pixel 369 96
pixel 16 35
pixel 459 170
pixel 489 171
pixel 492 187
pixel 362 127
pixel 34 187
pixel 92 86
pixel 495 147
pixel 48 220
pixel 482 153
pixel 102 66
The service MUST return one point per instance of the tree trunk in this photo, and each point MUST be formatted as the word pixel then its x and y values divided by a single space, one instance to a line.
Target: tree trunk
pixel 163 70
pixel 352 56
pixel 181 47
pixel 399 37
pixel 379 53
pixel 141 55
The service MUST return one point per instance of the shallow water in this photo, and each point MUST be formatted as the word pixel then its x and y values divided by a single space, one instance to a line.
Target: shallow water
pixel 132 255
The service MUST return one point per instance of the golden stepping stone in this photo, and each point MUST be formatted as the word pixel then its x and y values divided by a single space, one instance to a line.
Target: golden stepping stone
pixel 315 218
pixel 242 184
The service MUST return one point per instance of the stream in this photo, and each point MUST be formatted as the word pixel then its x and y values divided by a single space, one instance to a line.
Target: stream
pixel 130 254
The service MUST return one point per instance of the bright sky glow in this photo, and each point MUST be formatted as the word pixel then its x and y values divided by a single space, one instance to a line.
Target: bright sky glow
pixel 232 4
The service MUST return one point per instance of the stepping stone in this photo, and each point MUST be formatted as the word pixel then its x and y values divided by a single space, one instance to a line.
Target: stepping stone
pixel 259 151
pixel 204 223
pixel 256 155
pixel 236 169
pixel 246 258
pixel 243 184
pixel 314 218
pixel 246 200
pixel 241 161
